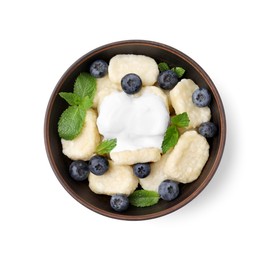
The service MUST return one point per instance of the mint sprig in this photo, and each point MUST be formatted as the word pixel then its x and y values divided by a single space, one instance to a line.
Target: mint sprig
pixel 72 119
pixel 163 66
pixel 172 134
pixel 106 146
pixel 181 120
pixel 143 198
pixel 170 138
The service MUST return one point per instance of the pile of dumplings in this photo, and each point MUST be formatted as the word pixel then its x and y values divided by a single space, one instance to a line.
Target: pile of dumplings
pixel 183 163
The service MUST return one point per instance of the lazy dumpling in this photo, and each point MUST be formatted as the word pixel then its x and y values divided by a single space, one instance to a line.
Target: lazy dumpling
pixel 145 67
pixel 181 100
pixel 186 161
pixel 84 145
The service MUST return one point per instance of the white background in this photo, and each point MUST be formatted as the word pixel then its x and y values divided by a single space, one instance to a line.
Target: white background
pixel 41 39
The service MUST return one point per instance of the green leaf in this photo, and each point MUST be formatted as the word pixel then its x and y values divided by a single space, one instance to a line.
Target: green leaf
pixel 72 119
pixel 86 102
pixel 106 146
pixel 71 122
pixel 85 85
pixel 71 98
pixel 170 138
pixel 179 71
pixel 143 198
pixel 181 120
pixel 163 66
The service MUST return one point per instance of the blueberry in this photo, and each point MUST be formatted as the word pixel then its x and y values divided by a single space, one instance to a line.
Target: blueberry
pixel 167 79
pixel 98 68
pixel 141 170
pixel 168 190
pixel 207 129
pixel 131 83
pixel 98 165
pixel 119 202
pixel 79 170
pixel 201 97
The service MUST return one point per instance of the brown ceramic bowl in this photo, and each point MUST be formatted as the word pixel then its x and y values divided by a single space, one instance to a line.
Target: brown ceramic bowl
pixel 60 163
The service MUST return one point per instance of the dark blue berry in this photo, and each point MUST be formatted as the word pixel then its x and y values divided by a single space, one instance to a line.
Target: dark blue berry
pixel 99 69
pixel 98 165
pixel 131 83
pixel 207 129
pixel 119 202
pixel 168 190
pixel 79 170
pixel 141 170
pixel 201 97
pixel 167 79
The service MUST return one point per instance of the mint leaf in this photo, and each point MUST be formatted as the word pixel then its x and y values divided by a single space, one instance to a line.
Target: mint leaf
pixel 85 85
pixel 106 146
pixel 181 120
pixel 71 98
pixel 143 198
pixel 86 102
pixel 170 138
pixel 163 66
pixel 71 122
pixel 179 71
pixel 72 119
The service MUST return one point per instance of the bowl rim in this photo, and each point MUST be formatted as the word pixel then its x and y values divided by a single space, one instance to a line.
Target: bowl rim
pixel 222 135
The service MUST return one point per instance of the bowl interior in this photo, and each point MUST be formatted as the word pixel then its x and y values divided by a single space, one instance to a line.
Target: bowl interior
pixel 56 105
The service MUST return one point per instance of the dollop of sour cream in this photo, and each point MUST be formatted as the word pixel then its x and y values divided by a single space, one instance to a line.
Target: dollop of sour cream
pixel 136 121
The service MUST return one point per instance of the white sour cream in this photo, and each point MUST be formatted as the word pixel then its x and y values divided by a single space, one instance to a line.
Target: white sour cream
pixel 136 122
